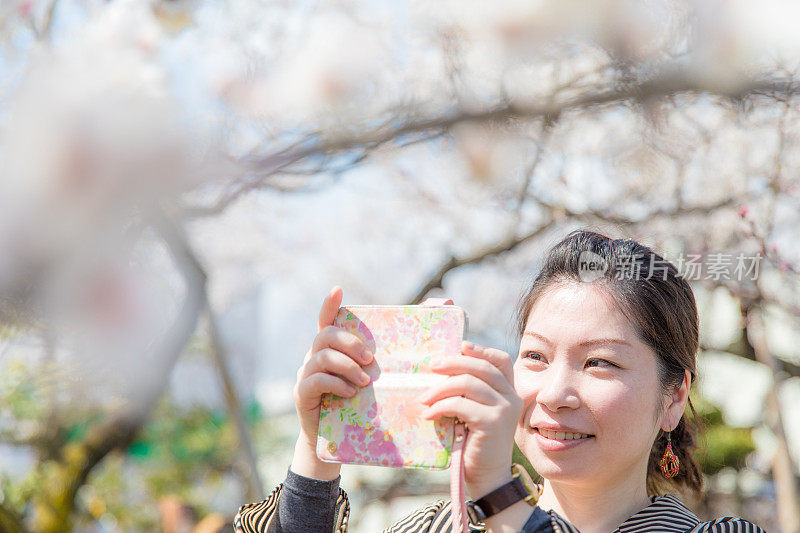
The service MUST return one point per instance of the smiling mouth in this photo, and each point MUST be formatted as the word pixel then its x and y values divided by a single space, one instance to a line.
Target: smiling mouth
pixel 562 435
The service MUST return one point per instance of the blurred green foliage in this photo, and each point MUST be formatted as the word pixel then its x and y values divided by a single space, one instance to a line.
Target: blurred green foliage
pixel 720 445
pixel 181 451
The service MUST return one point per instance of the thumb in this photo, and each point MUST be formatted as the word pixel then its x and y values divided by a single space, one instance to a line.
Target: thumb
pixel 330 306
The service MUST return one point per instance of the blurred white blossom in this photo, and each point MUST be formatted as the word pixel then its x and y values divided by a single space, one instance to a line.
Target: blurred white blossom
pixel 332 71
pixel 90 132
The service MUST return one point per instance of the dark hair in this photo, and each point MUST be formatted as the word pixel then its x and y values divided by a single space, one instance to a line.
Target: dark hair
pixel 662 308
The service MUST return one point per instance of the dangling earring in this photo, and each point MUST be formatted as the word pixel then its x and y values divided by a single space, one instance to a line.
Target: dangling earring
pixel 669 462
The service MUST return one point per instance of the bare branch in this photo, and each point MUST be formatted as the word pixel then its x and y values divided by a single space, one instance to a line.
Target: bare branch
pixel 785 367
pixel 452 263
pixel 55 501
pixel 666 84
pixel 620 220
pixel 253 485
pixel 556 214
pixel 783 467
pixel 671 81
pixel 47 24
pixel 544 134
pixel 265 179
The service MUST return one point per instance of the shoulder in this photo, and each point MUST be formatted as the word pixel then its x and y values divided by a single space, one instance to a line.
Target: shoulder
pixel 728 524
pixel 258 516
pixel 668 513
pixel 665 514
pixel 677 511
pixel 436 517
pixel 430 518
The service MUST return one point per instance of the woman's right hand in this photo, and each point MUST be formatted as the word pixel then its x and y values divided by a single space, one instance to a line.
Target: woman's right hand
pixel 334 364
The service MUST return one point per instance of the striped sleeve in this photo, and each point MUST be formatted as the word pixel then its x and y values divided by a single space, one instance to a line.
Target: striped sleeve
pixel 728 524
pixel 431 518
pixel 436 518
pixel 259 517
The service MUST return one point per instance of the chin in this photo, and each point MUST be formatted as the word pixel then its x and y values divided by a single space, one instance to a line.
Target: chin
pixel 563 471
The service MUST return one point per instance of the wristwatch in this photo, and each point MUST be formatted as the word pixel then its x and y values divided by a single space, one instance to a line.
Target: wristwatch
pixel 521 487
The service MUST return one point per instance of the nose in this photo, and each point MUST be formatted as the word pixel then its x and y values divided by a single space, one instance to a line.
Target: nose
pixel 558 389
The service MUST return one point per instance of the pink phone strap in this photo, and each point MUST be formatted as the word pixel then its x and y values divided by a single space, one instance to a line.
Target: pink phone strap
pixel 458 492
pixel 458 497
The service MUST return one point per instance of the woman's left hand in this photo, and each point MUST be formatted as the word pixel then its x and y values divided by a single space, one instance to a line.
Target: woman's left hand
pixel 479 390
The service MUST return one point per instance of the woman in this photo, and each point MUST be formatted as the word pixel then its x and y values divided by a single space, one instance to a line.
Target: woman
pixel 595 400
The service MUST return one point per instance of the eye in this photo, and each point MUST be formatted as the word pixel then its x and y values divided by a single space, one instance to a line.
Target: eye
pixel 600 363
pixel 533 356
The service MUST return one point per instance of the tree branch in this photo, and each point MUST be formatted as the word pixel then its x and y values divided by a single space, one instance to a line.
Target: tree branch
pixel 257 179
pixel 452 263
pixel 254 488
pixel 670 81
pixel 783 468
pixel 55 501
pixel 10 522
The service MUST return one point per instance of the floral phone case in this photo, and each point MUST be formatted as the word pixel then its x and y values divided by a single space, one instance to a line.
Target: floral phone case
pixel 381 424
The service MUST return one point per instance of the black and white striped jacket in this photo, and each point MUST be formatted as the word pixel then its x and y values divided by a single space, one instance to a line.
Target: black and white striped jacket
pixel 666 514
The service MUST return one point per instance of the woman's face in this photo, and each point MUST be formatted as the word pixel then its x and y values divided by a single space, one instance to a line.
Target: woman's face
pixel 590 388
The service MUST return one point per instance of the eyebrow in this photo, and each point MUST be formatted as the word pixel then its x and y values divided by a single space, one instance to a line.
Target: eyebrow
pixel 591 342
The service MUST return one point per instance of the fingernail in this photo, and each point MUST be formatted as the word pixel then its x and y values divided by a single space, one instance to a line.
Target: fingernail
pixel 366 355
pixel 364 379
pixel 469 345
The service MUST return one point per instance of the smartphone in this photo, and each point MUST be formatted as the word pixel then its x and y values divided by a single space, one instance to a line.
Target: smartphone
pixel 381 424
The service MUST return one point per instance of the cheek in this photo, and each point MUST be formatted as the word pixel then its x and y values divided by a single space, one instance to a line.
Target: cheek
pixel 620 407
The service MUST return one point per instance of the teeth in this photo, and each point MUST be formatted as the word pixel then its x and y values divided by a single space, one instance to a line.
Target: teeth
pixel 562 435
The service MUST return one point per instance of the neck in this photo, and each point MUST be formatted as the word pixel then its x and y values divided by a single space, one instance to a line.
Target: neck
pixel 579 504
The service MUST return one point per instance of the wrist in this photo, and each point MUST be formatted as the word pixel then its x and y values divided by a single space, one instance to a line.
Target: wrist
pixel 509 500
pixel 489 483
pixel 306 463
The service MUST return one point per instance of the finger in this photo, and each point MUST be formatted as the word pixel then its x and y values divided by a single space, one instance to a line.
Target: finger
pixel 498 358
pixel 331 361
pixel 463 385
pixel 477 366
pixel 330 306
pixel 343 341
pixel 318 384
pixel 465 409
pixel 437 301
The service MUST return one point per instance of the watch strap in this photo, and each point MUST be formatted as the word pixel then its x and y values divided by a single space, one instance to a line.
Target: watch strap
pixel 503 497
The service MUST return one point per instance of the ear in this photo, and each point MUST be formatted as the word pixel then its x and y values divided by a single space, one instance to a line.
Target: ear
pixel 677 403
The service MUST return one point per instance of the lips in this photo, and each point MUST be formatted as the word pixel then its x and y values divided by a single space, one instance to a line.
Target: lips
pixel 562 435
pixel 558 439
